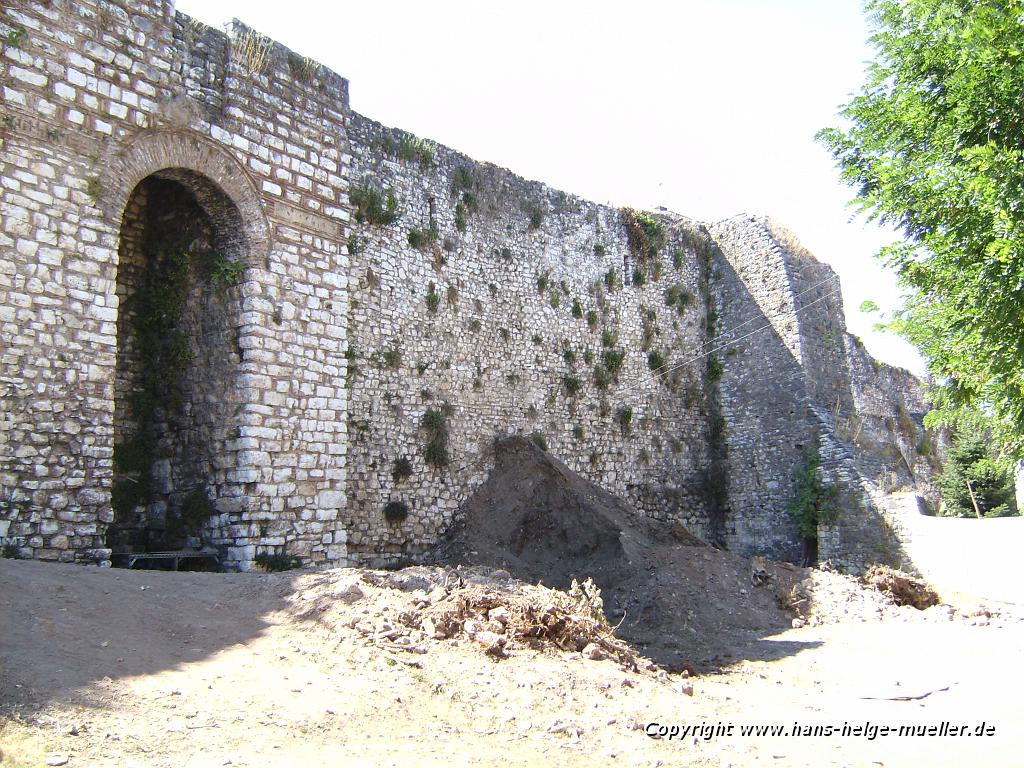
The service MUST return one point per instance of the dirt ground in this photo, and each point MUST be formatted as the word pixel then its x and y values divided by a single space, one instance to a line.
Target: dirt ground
pixel 104 667
pixel 642 646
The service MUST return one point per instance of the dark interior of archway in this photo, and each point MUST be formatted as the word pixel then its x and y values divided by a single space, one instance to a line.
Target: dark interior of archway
pixel 175 400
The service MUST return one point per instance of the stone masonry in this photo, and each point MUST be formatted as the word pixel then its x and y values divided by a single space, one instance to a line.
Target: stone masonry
pixel 237 315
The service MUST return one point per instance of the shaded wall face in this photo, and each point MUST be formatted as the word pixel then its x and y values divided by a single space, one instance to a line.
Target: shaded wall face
pixel 176 400
pixel 764 406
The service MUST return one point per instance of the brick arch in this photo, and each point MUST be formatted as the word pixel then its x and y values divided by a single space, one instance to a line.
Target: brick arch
pixel 202 166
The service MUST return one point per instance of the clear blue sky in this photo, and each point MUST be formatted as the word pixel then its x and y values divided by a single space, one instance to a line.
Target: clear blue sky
pixel 707 107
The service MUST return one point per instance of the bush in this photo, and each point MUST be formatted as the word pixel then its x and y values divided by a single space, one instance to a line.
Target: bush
pixel 420 239
pixel 613 359
pixel 714 369
pixel 433 299
pixel 374 206
pixel 814 500
pixel 624 417
pixel 539 440
pixel 396 511
pixel 401 469
pixel 573 385
pixel 645 234
pixel 435 424
pixel 655 360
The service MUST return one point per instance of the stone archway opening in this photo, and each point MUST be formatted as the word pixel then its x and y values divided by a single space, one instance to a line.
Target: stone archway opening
pixel 182 255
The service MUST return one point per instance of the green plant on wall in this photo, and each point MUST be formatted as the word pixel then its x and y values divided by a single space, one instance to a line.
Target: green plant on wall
pixel 433 299
pixel 401 469
pixel 395 512
pixel 373 205
pixel 227 272
pixel 644 233
pixel 543 281
pixel 421 239
pixel 536 216
pixel 814 500
pixel 413 149
pixel 435 425
pixel 624 418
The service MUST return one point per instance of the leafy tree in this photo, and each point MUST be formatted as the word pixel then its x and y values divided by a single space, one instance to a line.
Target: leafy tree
pixel 934 145
pixel 971 468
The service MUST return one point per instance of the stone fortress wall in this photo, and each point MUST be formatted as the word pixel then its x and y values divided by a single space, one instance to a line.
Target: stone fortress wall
pixel 237 313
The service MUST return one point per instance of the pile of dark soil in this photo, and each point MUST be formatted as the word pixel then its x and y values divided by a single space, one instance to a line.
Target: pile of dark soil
pixel 668 592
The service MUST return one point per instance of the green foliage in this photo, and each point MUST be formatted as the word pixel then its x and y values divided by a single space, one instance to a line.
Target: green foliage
pixel 9 551
pixel 536 216
pixel 543 281
pixel 302 68
pixel 414 149
pixel 227 272
pixel 644 233
pixel 277 562
pixel 608 338
pixel 972 465
pixel 814 500
pixel 714 369
pixel 396 511
pixel 935 147
pixel 677 258
pixel 433 299
pixel 504 333
pixel 611 280
pixel 94 189
pixel 639 278
pixel 624 418
pixel 374 206
pixel 462 179
pixel 392 358
pixel 539 440
pixel 602 378
pixel 656 360
pixel 401 469
pixel 573 385
pixel 599 250
pixel 196 509
pixel 538 339
pixel 613 360
pixel 577 309
pixel 16 37
pixel 569 355
pixel 474 326
pixel 435 425
pixel 421 239
pixel 460 217
pixel 556 299
pixel 591 319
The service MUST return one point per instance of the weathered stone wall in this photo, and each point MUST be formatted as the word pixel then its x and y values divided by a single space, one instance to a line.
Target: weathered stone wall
pixel 509 346
pixel 800 383
pixel 312 347
pixel 98 97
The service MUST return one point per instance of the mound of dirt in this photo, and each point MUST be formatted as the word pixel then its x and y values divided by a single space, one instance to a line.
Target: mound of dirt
pixel 903 589
pixel 667 591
